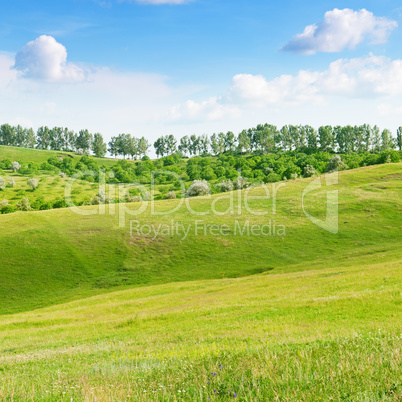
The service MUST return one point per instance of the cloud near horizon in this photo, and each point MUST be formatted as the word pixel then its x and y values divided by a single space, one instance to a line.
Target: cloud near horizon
pixel 341 29
pixel 369 77
pixel 108 100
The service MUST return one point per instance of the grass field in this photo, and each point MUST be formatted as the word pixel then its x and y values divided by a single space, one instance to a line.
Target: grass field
pixel 332 333
pixel 26 155
pixel 90 310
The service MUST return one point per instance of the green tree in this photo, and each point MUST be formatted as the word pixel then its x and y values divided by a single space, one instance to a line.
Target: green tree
pixel 399 138
pixel 184 145
pixel 243 141
pixel 84 140
pixel 204 144
pixel 56 138
pixel 30 139
pixel 7 135
pixel 387 141
pixel 113 146
pixel 20 136
pixel 43 137
pixel 266 137
pixel 160 146
pixel 285 139
pixel 133 147
pixel 230 141
pixel 143 146
pixel 170 144
pixel 194 142
pixel 376 139
pixel 98 146
pixel 326 138
pixel 221 143
pixel 311 136
pixel 367 134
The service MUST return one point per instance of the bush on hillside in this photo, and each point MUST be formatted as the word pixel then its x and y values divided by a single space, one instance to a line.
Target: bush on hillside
pixel 24 205
pixel 272 178
pixel 15 166
pixel 241 182
pixel 101 198
pixel 146 196
pixel 33 183
pixel 11 182
pixel 5 164
pixel 59 203
pixel 389 156
pixel 309 171
pixel 336 164
pixel 8 209
pixel 198 188
pixel 2 184
pixel 171 195
pixel 225 186
pixel 131 198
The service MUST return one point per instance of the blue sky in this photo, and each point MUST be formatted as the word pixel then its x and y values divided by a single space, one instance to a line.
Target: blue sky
pixel 199 66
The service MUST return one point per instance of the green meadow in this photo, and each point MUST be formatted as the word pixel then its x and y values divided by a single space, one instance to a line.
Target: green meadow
pixel 26 155
pixel 91 310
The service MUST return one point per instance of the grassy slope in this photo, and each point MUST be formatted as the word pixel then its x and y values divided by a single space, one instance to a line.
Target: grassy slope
pixel 50 188
pixel 331 334
pixel 54 256
pixel 26 155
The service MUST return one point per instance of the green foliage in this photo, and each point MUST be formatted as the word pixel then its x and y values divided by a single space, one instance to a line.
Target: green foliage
pixel 8 209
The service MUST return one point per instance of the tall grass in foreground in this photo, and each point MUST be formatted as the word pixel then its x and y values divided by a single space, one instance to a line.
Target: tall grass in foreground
pixel 327 334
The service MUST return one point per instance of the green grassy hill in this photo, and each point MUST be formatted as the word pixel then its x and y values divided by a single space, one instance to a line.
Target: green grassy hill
pixel 39 156
pixel 330 334
pixel 54 256
pixel 90 311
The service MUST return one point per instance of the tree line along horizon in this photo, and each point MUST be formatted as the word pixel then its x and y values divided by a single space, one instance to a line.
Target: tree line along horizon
pixel 264 138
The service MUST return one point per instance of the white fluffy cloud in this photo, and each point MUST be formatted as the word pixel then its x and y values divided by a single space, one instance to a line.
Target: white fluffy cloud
pixel 46 59
pixel 341 29
pixel 211 110
pixel 371 76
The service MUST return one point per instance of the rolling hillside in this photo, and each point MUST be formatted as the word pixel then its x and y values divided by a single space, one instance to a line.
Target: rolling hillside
pixel 26 155
pixel 330 332
pixel 54 256
pixel 92 312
